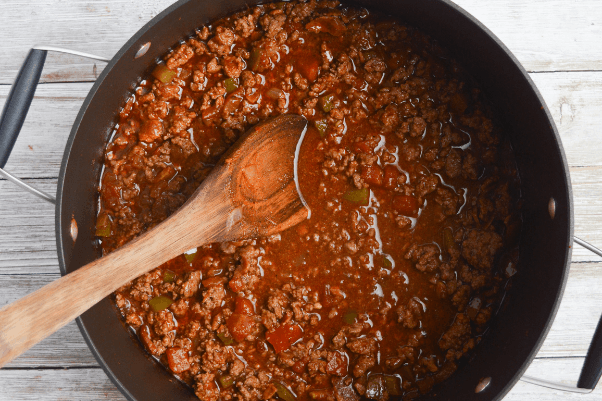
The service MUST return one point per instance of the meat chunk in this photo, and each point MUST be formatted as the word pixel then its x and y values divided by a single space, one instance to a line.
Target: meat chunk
pixel 363 346
pixel 222 41
pixel 409 315
pixel 449 201
pixel 164 322
pixel 457 334
pixel 277 303
pixel 343 390
pixel 151 131
pixel 272 24
pixel 214 296
pixel 247 275
pixel 426 257
pixel 180 57
pixel 480 247
pixel 154 346
pixel 215 356
pixel 336 363
pixel 453 164
pixel 206 388
pixel 191 285
pixel 426 185
pixel 362 365
pixel 233 66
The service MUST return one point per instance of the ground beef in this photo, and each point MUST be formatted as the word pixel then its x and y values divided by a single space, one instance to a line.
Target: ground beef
pixel 480 247
pixel 411 184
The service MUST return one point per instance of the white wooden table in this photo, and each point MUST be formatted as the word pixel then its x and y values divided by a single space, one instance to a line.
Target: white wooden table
pixel 558 41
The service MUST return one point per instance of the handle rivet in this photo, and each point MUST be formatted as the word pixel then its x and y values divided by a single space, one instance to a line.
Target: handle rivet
pixel 143 49
pixel 552 208
pixel 73 229
pixel 483 384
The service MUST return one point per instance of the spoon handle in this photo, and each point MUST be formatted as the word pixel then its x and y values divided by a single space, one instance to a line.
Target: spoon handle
pixel 250 192
pixel 29 320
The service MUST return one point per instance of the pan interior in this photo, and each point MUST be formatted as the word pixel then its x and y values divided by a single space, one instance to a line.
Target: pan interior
pixel 525 317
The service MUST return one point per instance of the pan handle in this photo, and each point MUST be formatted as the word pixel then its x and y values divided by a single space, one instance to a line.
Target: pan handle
pixel 18 101
pixel 592 367
pixel 17 105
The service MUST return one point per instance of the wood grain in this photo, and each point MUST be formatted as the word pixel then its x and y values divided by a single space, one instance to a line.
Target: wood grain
pixel 27 241
pixel 569 337
pixel 102 27
pixel 574 99
pixel 250 192
pixel 93 384
pixel 61 384
pixel 546 36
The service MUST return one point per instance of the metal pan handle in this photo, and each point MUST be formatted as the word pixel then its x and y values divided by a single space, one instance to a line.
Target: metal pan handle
pixel 17 105
pixel 592 367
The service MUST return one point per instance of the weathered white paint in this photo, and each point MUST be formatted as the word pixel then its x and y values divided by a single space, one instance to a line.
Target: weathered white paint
pixel 93 384
pixel 569 337
pixel 574 99
pixel 545 35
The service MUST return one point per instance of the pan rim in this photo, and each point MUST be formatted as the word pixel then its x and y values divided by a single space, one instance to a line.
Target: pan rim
pixel 62 239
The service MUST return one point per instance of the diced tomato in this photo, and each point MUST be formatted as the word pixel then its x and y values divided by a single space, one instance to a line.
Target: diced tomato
pixel 372 175
pixel 284 336
pixel 110 196
pixel 309 67
pixel 406 205
pixel 244 307
pixel 363 147
pixel 240 326
pixel 177 359
pixel 391 175
pixel 111 190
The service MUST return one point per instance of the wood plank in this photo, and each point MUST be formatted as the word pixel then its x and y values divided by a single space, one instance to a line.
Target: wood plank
pixel 574 99
pixel 65 348
pixel 40 384
pixel 102 27
pixel 587 204
pixel 93 384
pixel 564 370
pixel 578 314
pixel 98 27
pixel 569 337
pixel 545 35
pixel 27 241
pixel 39 149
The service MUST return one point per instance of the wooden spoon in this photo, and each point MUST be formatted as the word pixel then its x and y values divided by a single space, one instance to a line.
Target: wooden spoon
pixel 251 192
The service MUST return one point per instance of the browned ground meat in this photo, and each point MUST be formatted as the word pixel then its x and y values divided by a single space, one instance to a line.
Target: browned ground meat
pixel 411 184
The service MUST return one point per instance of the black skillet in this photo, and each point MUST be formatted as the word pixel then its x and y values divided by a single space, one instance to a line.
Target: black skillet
pixel 521 325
